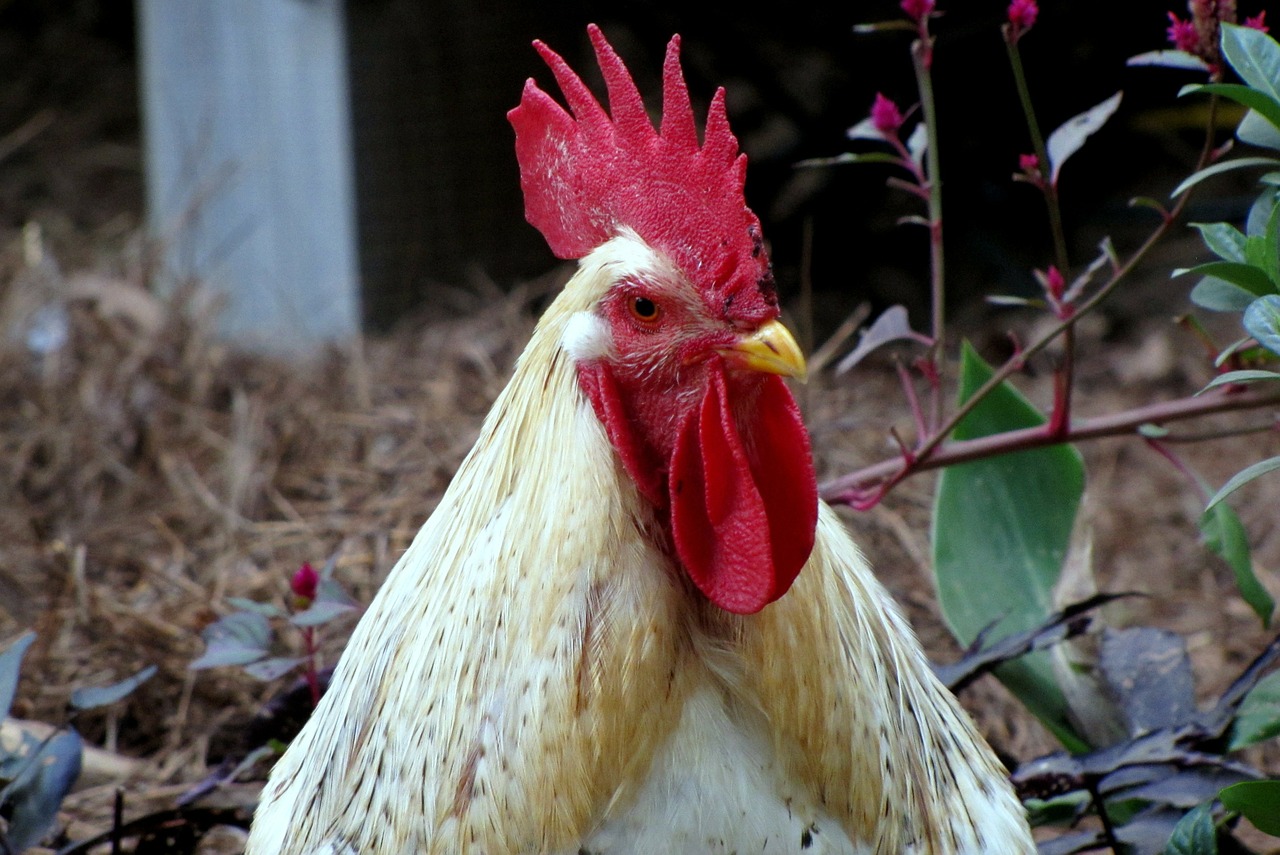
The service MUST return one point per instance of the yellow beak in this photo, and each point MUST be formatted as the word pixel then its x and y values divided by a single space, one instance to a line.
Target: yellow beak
pixel 771 349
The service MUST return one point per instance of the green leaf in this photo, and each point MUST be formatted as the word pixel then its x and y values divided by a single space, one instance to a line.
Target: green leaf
pixel 1263 250
pixel 1255 130
pixel 1255 56
pixel 1243 477
pixel 1223 239
pixel 1242 347
pixel 10 666
pixel 1195 833
pixel 1259 801
pixel 1219 168
pixel 1218 295
pixel 1260 212
pixel 1260 102
pixel 1001 530
pixel 1252 279
pixel 84 699
pixel 1262 321
pixel 1223 532
pixel 1231 378
pixel 1258 718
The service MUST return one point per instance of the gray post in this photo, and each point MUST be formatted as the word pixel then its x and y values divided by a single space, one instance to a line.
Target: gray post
pixel 249 167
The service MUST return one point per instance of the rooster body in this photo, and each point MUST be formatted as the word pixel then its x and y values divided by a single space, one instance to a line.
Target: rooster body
pixel 560 664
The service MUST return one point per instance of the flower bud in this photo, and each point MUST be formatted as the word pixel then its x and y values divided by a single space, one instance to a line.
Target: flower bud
pixel 886 116
pixel 304 583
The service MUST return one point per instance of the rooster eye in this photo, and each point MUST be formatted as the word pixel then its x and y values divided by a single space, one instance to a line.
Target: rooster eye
pixel 644 309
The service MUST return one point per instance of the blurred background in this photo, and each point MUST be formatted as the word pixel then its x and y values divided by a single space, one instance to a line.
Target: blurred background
pixel 365 143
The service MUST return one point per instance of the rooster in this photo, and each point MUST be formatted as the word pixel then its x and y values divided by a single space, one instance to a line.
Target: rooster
pixel 631 626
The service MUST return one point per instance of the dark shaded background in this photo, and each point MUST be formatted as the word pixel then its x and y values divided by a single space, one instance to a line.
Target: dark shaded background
pixel 437 188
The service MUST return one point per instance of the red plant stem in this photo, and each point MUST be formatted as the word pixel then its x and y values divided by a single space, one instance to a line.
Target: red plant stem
pixel 1063 380
pixel 913 400
pixel 856 484
pixel 313 677
pixel 1178 463
pixel 922 60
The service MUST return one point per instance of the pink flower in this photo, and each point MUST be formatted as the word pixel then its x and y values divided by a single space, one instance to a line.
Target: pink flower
pixel 1022 15
pixel 1029 164
pixel 1183 35
pixel 1258 22
pixel 885 116
pixel 918 10
pixel 304 583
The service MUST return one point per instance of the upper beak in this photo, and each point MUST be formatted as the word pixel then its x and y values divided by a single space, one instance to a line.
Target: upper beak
pixel 771 349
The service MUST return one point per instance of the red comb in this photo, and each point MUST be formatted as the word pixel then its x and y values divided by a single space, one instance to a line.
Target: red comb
pixel 589 174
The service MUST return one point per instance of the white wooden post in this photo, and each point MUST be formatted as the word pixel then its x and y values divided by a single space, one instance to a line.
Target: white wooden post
pixel 249 165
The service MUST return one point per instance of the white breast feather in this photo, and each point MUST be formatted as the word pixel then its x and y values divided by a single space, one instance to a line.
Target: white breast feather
pixel 529 679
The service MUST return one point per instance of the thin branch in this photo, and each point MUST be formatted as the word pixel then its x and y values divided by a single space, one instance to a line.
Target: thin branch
pixel 1181 465
pixel 1114 424
pixel 1047 187
pixel 922 60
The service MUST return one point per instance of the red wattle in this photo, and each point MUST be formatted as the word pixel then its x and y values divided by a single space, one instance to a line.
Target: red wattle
pixel 743 514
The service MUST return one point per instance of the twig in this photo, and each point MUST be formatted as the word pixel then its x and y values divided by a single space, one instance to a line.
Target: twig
pixel 889 472
pixel 922 60
pixel 26 132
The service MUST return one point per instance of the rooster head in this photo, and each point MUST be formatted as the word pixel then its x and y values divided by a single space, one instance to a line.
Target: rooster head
pixel 683 356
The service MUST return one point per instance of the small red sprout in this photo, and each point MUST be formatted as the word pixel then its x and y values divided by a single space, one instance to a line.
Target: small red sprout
pixel 1022 17
pixel 885 116
pixel 1183 35
pixel 1054 283
pixel 918 10
pixel 304 584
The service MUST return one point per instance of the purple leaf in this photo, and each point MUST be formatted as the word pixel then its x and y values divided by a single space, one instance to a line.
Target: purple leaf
pixel 276 666
pixel 10 664
pixel 34 796
pixel 331 601
pixel 918 143
pixel 1067 139
pixel 237 639
pixel 892 325
pixel 1169 59
pixel 83 699
pixel 1149 675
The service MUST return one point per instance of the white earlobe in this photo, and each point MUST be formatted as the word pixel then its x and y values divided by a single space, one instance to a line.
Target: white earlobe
pixel 586 337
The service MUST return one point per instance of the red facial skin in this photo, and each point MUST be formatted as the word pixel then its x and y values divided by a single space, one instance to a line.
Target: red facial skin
pixel 719 449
